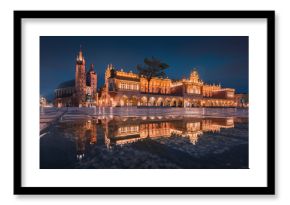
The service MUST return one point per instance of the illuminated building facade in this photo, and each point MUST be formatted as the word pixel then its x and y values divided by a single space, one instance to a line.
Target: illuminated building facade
pixel 123 89
pixel 80 92
pixel 242 100
pixel 128 89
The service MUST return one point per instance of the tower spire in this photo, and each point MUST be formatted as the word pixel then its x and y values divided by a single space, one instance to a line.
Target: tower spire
pixel 80 56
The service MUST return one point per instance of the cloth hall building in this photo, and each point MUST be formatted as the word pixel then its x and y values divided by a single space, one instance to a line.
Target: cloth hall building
pixel 128 89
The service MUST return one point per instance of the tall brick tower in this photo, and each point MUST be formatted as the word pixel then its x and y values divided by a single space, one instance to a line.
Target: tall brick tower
pixel 92 80
pixel 80 80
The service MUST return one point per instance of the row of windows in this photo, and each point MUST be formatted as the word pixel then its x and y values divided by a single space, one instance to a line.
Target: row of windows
pixel 129 129
pixel 195 91
pixel 125 86
pixel 155 90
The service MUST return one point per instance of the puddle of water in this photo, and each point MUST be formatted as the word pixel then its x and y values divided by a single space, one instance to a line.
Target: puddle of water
pixel 150 142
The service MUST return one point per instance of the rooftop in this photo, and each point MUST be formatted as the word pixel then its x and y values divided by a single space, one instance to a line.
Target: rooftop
pixel 65 84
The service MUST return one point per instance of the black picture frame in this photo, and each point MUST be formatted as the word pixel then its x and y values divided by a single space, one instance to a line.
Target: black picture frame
pixel 269 189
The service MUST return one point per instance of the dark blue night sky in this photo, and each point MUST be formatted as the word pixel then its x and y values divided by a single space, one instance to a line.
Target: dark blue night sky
pixel 219 59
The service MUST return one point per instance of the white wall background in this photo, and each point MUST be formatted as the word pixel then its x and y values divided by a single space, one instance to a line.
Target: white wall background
pixel 282 99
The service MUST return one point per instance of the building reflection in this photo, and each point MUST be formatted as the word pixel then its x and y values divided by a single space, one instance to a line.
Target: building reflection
pixel 120 130
pixel 131 130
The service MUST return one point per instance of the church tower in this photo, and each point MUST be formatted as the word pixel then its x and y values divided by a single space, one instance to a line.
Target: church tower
pixel 92 80
pixel 80 78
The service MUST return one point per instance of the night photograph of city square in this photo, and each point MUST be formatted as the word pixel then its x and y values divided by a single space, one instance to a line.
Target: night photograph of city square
pixel 144 102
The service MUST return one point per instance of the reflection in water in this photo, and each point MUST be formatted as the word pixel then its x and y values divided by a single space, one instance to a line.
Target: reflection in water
pixel 120 130
pixel 131 130
pixel 146 142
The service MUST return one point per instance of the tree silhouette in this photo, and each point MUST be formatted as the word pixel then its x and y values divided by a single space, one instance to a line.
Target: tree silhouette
pixel 152 67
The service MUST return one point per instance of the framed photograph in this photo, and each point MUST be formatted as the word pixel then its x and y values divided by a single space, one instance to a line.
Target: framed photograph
pixel 144 102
